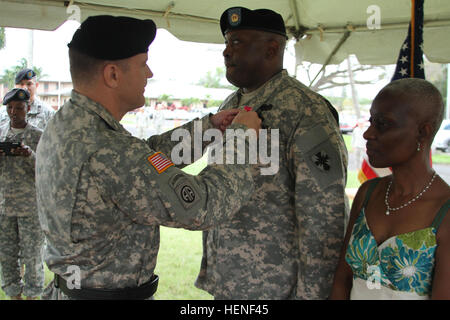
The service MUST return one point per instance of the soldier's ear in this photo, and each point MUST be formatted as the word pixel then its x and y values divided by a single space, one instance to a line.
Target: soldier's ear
pixel 272 48
pixel 111 75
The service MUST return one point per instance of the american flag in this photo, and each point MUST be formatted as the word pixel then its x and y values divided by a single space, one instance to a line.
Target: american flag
pixel 410 60
pixel 160 162
pixel 409 65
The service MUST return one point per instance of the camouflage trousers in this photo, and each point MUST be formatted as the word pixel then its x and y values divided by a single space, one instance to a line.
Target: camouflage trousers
pixel 21 242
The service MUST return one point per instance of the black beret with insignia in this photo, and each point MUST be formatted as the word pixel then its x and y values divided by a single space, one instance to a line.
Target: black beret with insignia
pixel 236 18
pixel 25 74
pixel 16 94
pixel 113 38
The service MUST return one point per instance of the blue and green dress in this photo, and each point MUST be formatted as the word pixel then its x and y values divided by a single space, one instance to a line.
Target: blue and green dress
pixel 399 268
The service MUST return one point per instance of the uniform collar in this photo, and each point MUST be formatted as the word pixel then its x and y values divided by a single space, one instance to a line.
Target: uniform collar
pixel 6 128
pixel 94 107
pixel 266 90
pixel 35 106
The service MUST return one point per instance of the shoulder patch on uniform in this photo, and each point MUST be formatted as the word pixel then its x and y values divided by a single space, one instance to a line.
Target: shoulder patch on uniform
pixel 160 162
pixel 321 155
pixel 322 160
pixel 185 191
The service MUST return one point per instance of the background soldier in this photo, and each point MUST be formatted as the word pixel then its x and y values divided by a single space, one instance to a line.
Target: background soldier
pixel 103 193
pixel 19 225
pixel 39 113
pixel 285 242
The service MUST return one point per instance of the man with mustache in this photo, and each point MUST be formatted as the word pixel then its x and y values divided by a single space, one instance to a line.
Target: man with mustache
pixel 284 242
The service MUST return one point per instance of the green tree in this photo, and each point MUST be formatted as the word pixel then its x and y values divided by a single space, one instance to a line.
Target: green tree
pixel 189 101
pixel 9 75
pixel 166 98
pixel 215 79
pixel 2 38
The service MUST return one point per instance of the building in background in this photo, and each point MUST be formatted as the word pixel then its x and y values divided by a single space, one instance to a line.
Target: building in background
pixel 53 92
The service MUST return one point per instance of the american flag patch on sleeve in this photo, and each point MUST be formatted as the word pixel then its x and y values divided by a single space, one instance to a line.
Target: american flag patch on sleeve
pixel 160 162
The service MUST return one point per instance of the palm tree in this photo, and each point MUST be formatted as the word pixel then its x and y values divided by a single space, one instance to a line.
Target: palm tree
pixel 9 75
pixel 2 38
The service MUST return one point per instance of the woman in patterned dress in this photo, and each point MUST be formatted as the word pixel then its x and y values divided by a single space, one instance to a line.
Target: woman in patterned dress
pixel 397 242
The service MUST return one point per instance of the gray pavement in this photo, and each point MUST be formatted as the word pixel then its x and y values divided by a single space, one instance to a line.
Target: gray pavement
pixel 444 171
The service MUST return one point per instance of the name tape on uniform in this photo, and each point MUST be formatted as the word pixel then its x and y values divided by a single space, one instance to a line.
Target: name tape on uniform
pixel 160 162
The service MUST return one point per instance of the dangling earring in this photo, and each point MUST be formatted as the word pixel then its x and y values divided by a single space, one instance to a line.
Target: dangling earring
pixel 418 146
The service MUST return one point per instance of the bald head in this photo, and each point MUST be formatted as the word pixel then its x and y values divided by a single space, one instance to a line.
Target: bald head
pixel 423 100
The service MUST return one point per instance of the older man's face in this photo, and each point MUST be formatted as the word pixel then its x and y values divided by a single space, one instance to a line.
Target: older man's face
pixel 30 85
pixel 244 56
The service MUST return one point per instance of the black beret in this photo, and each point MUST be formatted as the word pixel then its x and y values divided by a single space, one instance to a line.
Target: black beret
pixel 113 38
pixel 16 94
pixel 236 18
pixel 25 74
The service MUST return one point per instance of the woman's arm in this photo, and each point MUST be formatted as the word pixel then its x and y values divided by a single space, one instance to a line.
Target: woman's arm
pixel 343 277
pixel 441 279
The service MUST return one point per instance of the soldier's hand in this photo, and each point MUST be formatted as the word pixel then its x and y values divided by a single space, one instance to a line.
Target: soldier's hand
pixel 249 119
pixel 22 151
pixel 223 119
pixel 2 153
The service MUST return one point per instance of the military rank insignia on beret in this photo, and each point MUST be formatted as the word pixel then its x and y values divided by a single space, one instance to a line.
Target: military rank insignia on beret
pixel 25 74
pixel 16 94
pixel 234 16
pixel 160 162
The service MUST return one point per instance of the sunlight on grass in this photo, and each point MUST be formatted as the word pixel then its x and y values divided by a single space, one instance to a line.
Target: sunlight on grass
pixel 178 265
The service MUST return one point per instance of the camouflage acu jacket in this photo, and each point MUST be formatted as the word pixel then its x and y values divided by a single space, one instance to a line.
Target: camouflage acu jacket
pixel 17 178
pixel 39 114
pixel 101 198
pixel 285 242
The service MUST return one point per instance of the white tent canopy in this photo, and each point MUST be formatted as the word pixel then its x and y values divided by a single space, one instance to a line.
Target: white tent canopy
pixel 318 25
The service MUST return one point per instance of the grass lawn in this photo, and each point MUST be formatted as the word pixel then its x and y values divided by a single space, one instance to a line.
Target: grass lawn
pixel 178 265
pixel 442 158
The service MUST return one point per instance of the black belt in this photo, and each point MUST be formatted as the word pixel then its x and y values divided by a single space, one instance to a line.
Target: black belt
pixel 143 292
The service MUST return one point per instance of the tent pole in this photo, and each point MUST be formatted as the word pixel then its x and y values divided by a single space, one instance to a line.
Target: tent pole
pixel 447 113
pixel 335 50
pixel 293 5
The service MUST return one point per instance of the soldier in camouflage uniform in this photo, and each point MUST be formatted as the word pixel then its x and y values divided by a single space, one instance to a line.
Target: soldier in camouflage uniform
pixel 20 232
pixel 285 242
pixel 39 113
pixel 103 193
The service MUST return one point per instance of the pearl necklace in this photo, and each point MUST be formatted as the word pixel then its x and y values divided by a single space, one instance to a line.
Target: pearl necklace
pixel 389 209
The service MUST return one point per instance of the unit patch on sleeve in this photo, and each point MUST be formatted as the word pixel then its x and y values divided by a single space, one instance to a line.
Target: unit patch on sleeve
pixel 321 155
pixel 321 160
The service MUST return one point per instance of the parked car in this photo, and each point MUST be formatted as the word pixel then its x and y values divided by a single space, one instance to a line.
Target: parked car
pixel 346 127
pixel 442 138
pixel 347 123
